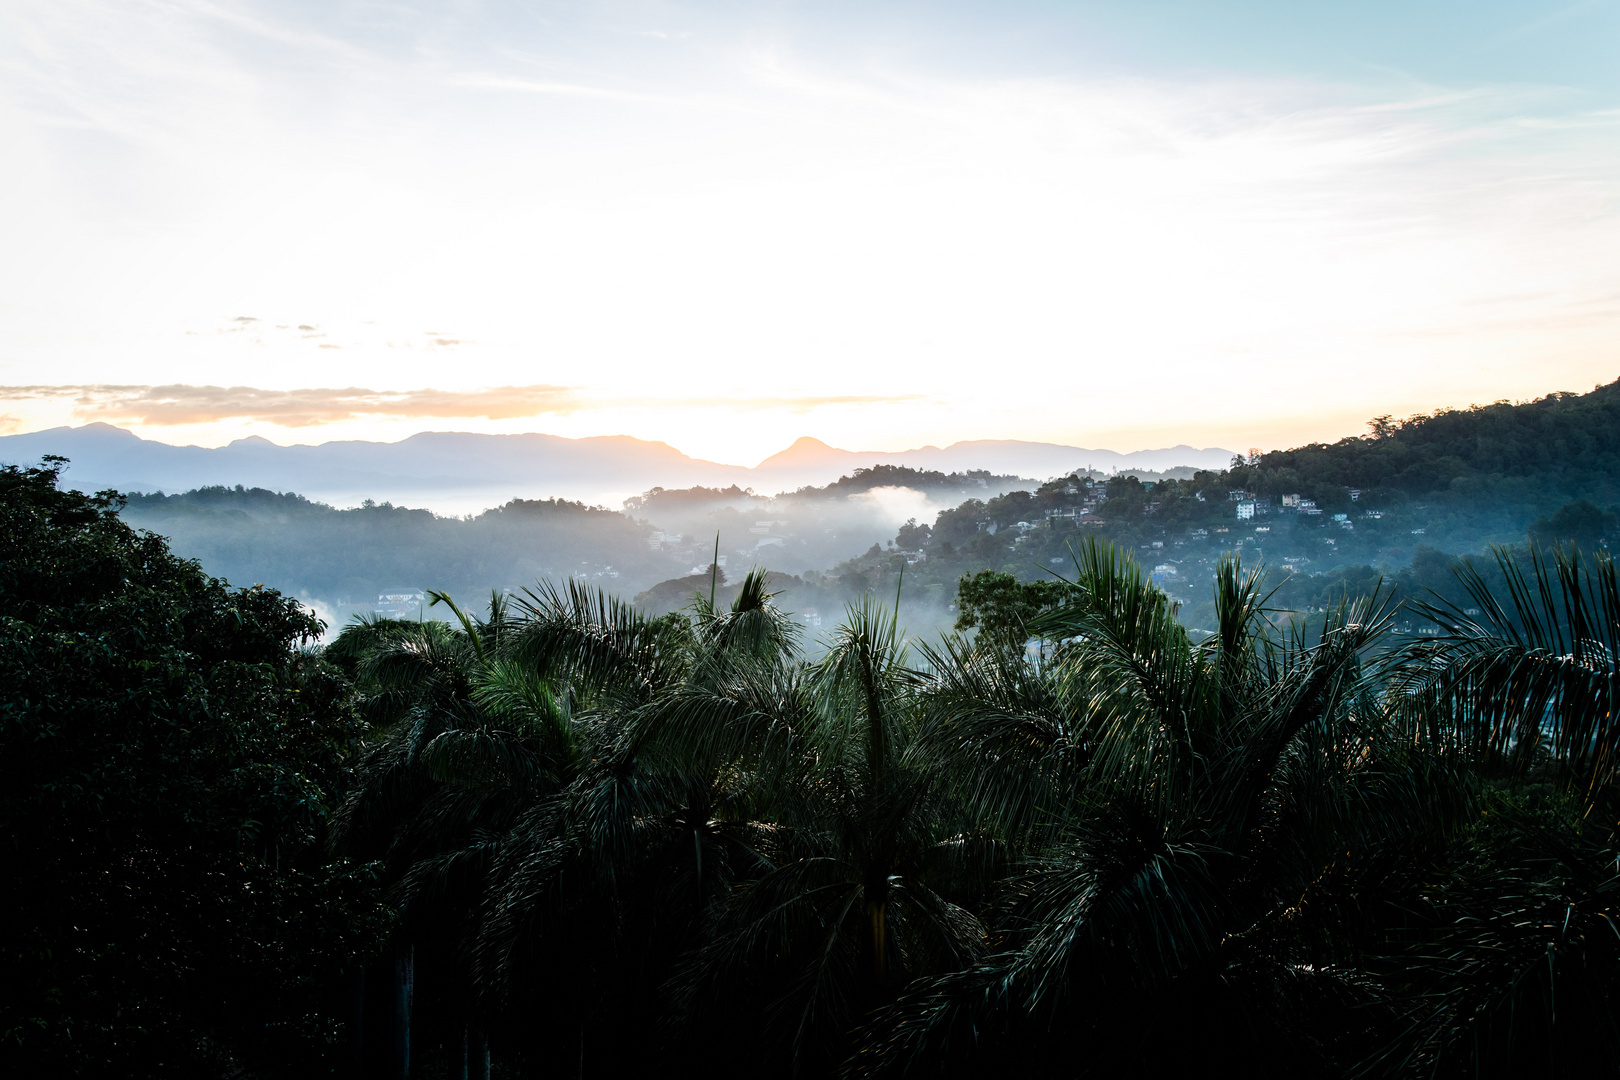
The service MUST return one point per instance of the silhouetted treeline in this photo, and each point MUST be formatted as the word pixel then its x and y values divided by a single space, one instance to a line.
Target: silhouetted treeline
pixel 1535 455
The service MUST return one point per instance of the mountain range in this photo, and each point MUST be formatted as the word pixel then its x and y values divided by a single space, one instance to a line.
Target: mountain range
pixel 458 472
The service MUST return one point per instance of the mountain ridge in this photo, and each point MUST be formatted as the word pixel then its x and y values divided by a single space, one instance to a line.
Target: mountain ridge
pixel 462 471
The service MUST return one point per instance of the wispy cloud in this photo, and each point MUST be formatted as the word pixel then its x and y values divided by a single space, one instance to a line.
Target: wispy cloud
pixel 558 89
pixel 165 406
pixel 799 403
pixel 1054 248
pixel 178 404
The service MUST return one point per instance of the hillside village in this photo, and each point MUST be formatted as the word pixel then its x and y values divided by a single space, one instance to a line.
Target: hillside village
pixel 1325 521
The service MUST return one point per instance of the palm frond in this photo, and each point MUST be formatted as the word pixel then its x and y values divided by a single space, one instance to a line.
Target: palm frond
pixel 1018 752
pixel 595 641
pixel 1534 676
pixel 1127 666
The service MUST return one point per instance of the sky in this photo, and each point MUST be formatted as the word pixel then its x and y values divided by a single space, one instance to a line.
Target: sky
pixel 725 225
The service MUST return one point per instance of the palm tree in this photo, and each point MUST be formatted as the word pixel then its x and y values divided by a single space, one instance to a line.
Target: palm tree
pixel 1528 680
pixel 466 737
pixel 1129 853
pixel 533 802
pixel 849 907
pixel 604 886
pixel 1206 812
pixel 1510 966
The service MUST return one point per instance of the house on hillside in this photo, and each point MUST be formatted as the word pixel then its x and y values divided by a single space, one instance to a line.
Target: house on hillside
pixel 402 602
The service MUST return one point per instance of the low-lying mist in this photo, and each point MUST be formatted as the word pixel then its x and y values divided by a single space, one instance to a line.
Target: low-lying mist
pixel 343 562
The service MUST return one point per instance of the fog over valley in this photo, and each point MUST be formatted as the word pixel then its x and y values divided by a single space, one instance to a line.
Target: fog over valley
pixel 1319 521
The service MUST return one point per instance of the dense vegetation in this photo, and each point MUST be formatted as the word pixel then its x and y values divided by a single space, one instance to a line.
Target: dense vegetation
pixel 612 843
pixel 1536 454
pixel 169 755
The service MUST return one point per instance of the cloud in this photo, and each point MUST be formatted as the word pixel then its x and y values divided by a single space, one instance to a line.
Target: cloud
pixel 180 404
pixel 573 90
pixel 176 404
pixel 796 403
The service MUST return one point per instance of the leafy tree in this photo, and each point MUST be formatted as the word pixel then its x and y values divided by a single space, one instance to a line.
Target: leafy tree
pixel 912 536
pixel 1579 523
pixel 1001 607
pixel 167 756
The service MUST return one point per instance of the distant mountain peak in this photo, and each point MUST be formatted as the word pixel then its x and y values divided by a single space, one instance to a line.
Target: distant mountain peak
pixel 806 452
pixel 467 470
pixel 96 429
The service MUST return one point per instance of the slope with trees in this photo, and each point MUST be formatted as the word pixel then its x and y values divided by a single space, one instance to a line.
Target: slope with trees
pixel 1324 518
pixel 170 753
pixel 345 558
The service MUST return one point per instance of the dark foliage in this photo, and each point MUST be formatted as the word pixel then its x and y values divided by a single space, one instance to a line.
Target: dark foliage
pixel 1560 447
pixel 1002 608
pixel 166 757
pixel 1377 843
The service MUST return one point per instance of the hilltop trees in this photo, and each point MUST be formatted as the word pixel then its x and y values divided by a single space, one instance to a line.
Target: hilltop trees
pixel 1579 523
pixel 350 556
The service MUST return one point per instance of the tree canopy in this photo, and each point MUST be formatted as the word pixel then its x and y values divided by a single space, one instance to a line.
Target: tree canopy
pixel 612 842
pixel 169 751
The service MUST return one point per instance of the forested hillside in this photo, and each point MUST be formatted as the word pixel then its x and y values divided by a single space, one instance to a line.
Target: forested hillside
pixel 552 835
pixel 343 559
pixel 346 558
pixel 1323 518
pixel 1523 459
